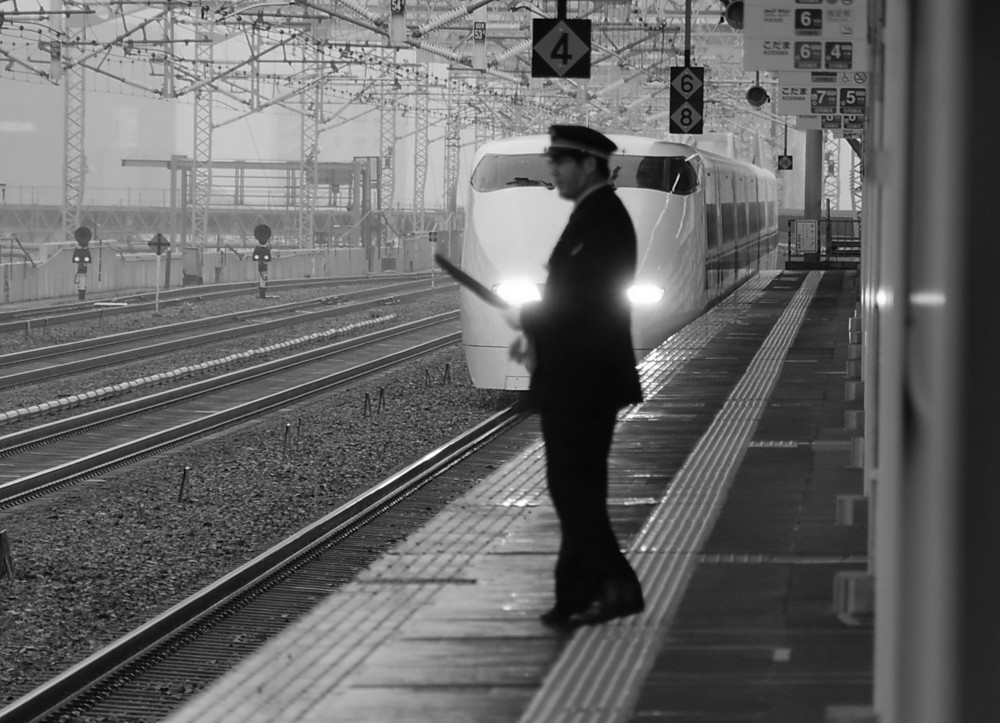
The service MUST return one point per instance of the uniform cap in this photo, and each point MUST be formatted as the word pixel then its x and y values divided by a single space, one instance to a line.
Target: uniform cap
pixel 579 139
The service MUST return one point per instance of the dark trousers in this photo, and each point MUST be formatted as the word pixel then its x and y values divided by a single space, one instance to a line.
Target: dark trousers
pixel 590 563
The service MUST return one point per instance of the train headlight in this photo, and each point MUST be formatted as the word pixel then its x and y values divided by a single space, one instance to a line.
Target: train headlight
pixel 518 292
pixel 645 294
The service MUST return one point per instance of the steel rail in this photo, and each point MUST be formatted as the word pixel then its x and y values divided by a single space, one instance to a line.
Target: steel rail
pixel 77 365
pixel 33 484
pixel 207 291
pixel 268 565
pixel 35 318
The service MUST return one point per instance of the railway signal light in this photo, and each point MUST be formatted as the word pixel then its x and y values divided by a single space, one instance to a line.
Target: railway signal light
pixel 81 257
pixel 262 232
pixel 262 255
pixel 432 236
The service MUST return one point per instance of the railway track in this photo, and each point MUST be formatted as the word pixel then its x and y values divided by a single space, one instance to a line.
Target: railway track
pixel 40 316
pixel 147 673
pixel 47 456
pixel 59 360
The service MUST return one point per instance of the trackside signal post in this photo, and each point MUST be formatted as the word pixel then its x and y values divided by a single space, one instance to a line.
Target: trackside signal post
pixel 81 257
pixel 159 244
pixel 262 255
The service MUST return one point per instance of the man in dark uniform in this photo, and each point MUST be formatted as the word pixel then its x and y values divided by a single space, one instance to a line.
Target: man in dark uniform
pixel 583 372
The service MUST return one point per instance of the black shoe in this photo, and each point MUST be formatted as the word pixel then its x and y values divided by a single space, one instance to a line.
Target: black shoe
pixel 556 617
pixel 602 610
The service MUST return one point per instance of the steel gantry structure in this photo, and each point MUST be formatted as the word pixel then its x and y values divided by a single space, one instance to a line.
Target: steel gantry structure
pixel 313 58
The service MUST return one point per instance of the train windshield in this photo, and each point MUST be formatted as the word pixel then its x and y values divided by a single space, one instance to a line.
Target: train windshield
pixel 671 174
pixel 498 172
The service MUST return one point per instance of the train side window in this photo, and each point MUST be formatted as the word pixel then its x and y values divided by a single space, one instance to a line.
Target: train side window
pixel 711 212
pixel 672 174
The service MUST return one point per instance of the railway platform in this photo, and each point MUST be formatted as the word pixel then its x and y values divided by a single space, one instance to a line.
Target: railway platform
pixel 726 485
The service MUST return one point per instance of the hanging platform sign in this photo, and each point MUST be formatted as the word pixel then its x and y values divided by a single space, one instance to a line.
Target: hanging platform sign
pixel 832 122
pixel 560 48
pixel 858 79
pixel 832 20
pixel 820 100
pixel 806 35
pixel 776 54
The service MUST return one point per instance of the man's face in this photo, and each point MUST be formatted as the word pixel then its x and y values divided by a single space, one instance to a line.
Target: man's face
pixel 571 174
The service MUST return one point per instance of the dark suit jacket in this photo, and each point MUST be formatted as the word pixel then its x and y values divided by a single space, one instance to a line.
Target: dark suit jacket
pixel 580 328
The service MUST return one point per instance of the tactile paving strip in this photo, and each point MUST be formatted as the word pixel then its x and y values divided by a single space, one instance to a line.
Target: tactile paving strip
pixel 600 671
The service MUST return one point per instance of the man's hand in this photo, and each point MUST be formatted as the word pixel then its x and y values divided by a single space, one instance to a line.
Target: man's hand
pixel 522 351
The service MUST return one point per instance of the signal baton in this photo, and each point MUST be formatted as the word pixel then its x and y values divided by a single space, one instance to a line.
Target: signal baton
pixel 487 295
pixel 523 348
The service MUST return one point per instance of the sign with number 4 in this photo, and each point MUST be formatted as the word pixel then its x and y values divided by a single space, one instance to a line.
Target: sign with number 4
pixel 560 48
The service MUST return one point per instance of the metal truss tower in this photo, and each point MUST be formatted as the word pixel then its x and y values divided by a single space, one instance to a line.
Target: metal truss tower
pixel 387 176
pixel 831 169
pixel 312 114
pixel 201 171
pixel 75 161
pixel 452 151
pixel 420 158
pixel 387 134
pixel 62 67
pixel 857 176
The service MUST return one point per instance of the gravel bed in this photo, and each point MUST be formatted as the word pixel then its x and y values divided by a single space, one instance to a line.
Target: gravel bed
pixel 95 561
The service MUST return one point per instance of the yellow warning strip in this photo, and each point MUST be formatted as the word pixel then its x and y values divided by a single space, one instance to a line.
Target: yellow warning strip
pixel 599 674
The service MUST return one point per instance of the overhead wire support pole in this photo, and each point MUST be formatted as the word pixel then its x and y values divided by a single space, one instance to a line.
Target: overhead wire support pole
pixel 74 95
pixel 452 153
pixel 201 174
pixel 75 171
pixel 311 118
pixel 387 135
pixel 687 34
pixel 420 156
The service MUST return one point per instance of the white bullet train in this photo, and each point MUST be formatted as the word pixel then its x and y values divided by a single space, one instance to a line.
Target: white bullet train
pixel 704 224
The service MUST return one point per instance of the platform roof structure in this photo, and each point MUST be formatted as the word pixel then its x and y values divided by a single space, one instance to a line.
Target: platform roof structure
pixel 254 55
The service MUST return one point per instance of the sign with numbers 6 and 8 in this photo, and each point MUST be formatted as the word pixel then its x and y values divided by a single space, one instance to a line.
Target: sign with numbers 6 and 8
pixel 687 99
